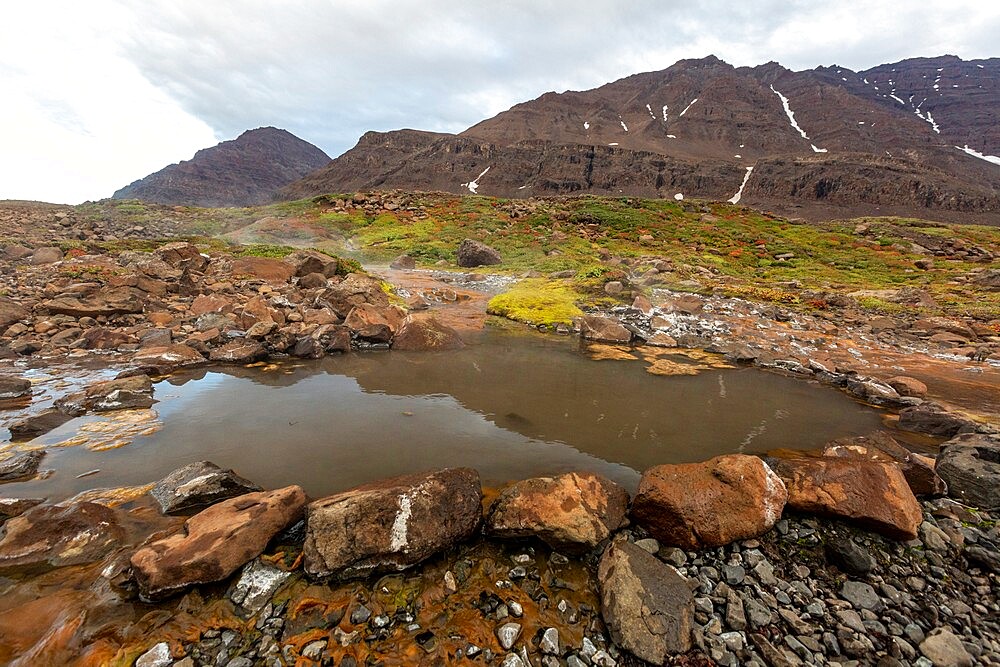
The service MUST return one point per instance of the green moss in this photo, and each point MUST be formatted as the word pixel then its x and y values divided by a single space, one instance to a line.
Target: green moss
pixel 263 250
pixel 537 301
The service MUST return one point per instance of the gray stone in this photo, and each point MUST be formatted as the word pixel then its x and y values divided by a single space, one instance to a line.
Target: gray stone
pixel 861 595
pixel 944 649
pixel 507 634
pixel 158 656
pixel 197 485
pixel 13 387
pixel 849 556
pixel 970 464
pixel 256 585
pixel 550 642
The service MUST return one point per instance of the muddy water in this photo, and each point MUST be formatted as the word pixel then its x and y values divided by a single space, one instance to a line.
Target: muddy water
pixel 512 406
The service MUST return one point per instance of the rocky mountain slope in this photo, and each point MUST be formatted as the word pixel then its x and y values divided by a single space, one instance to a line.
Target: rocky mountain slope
pixel 245 171
pixel 917 139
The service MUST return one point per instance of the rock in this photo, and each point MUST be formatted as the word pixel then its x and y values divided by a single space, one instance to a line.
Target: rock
pixel 127 393
pixel 269 270
pixel 475 253
pixel 352 290
pixel 37 424
pixel 11 312
pixel 549 643
pixel 163 360
pixel 211 303
pixel 660 339
pixel 647 605
pixel 374 323
pixel 988 279
pixel 158 656
pixel 849 556
pixel 48 255
pixel 604 329
pixel 182 255
pixel 239 352
pixel 306 262
pixel 12 507
pixel 103 338
pixel 199 484
pixel 880 446
pixel 215 542
pixel 13 253
pixel 642 304
pixel 861 595
pixel 107 302
pixel 570 512
pixel 403 262
pixel 21 465
pixel 933 420
pixel 944 649
pixel 392 524
pixel 709 504
pixel 869 493
pixel 51 536
pixel 256 586
pixel 312 281
pixel 425 333
pixel 970 464
pixel 907 386
pixel 12 387
pixel 614 287
pixel 507 634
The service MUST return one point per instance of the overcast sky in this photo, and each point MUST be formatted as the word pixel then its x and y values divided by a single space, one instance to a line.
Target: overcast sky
pixel 97 93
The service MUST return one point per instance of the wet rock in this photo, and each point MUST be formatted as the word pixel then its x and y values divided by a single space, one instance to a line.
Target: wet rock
pixel 880 446
pixel 239 352
pixel 199 484
pixel 158 656
pixel 21 465
pixel 869 493
pixel 50 536
pixel 934 420
pixel 507 634
pixel 49 255
pixel 12 507
pixel 647 605
pixel 476 253
pixel 38 424
pixel 944 649
pixel 575 511
pixel 403 262
pixel 907 386
pixel 269 270
pixel 163 360
pixel 392 524
pixel 970 464
pixel 256 586
pixel 12 387
pixel 426 333
pixel 215 542
pixel 127 393
pixel 107 302
pixel 604 329
pixel 306 262
pixel 709 504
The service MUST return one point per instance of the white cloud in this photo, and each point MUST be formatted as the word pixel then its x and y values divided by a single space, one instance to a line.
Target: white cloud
pixel 99 93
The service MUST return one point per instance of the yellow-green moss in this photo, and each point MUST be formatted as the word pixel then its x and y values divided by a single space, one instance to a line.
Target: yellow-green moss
pixel 537 301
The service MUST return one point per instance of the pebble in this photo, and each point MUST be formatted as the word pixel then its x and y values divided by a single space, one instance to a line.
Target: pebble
pixel 507 634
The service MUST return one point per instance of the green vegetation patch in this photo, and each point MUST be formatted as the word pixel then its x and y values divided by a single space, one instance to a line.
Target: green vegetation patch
pixel 537 301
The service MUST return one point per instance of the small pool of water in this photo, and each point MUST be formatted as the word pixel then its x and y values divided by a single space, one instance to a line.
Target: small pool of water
pixel 512 406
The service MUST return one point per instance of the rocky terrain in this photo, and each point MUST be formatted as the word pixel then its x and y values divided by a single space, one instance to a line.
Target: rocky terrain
pixel 245 171
pixel 917 139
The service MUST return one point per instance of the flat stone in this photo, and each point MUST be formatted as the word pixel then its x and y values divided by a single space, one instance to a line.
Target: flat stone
pixel 256 586
pixel 267 269
pixel 38 424
pixel 12 507
pixel 128 393
pixel 944 649
pixel 425 333
pixel 574 511
pixel 162 360
pixel 861 595
pixel 22 465
pixel 14 387
pixel 51 536
pixel 197 485
pixel 970 464
pixel 604 329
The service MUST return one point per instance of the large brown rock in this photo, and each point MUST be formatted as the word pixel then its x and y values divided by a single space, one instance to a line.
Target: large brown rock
pixel 168 358
pixel 199 484
pixel 132 392
pixel 106 302
pixel 103 338
pixel 37 424
pixel 392 524
pixel 970 463
pixel 182 255
pixel 646 604
pixel 870 493
pixel 263 268
pixel 933 419
pixel 571 512
pixel 312 261
pixel 11 312
pixel 354 289
pixel 426 333
pixel 709 504
pixel 50 536
pixel 604 329
pixel 216 542
pixel 239 352
pixel 14 387
pixel 880 446
pixel 20 465
pixel 374 323
pixel 476 253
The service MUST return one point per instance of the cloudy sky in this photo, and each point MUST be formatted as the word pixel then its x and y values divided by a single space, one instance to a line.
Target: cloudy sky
pixel 97 93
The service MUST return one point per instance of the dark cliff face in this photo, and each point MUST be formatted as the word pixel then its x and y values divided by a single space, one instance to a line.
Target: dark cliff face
pixel 694 129
pixel 245 171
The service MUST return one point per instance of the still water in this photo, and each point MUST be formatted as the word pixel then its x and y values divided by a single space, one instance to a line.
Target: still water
pixel 511 406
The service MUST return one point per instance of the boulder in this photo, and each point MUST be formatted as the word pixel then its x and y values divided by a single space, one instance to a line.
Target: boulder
pixel 989 280
pixel 13 253
pixel 907 386
pixel 182 255
pixel 215 542
pixel 162 360
pixel 870 493
pixel 709 504
pixel 880 446
pixel 37 424
pixel 199 484
pixel 604 329
pixel 258 310
pixel 210 303
pixel 50 536
pixel 944 649
pixel 127 393
pixel 426 333
pixel 570 512
pixel 239 352
pixel 107 302
pixel 352 290
pixel 647 605
pixel 312 281
pixel 377 324
pixel 306 262
pixel 12 507
pixel 48 255
pixel 21 465
pixel 404 262
pixel 103 338
pixel 933 419
pixel 269 270
pixel 11 312
pixel 970 464
pixel 476 253
pixel 392 524
pixel 14 387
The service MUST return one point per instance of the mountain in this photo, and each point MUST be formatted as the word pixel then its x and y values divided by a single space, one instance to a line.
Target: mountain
pixel 911 138
pixel 245 171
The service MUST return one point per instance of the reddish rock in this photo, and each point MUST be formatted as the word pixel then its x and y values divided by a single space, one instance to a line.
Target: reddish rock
pixel 50 536
pixel 351 291
pixel 161 319
pixel 103 338
pixel 12 507
pixel 709 504
pixel 882 447
pixel 48 255
pixel 374 323
pixel 258 310
pixel 37 424
pixel 182 255
pixel 907 386
pixel 10 313
pixel 870 493
pixel 312 281
pixel 306 262
pixel 135 391
pixel 166 359
pixel 239 352
pixel 392 524
pixel 211 303
pixel 14 387
pixel 604 329
pixel 216 542
pixel 426 333
pixel 107 302
pixel 263 268
pixel 575 511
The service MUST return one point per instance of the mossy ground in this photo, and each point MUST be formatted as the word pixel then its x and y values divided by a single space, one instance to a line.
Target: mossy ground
pixel 538 301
